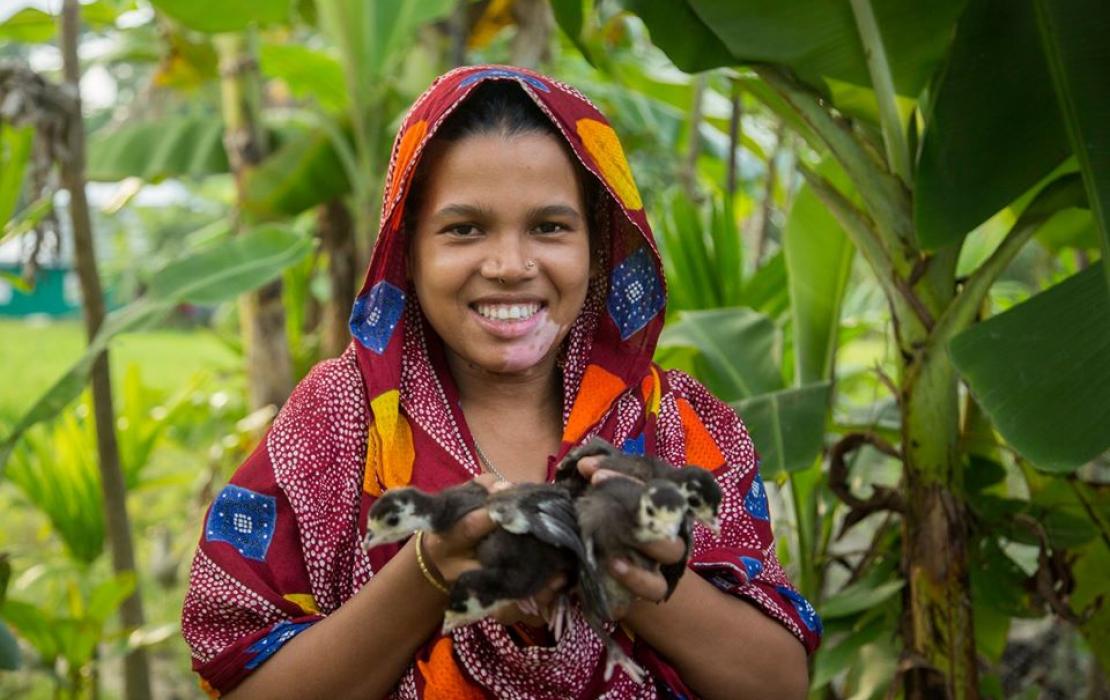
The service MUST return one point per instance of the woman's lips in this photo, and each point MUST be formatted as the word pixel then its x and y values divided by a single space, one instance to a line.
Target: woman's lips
pixel 512 328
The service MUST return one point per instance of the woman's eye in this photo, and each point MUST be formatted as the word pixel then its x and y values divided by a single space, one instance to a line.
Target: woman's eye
pixel 463 230
pixel 550 227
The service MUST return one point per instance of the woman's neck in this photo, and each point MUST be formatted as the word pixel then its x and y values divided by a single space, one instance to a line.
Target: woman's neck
pixel 536 391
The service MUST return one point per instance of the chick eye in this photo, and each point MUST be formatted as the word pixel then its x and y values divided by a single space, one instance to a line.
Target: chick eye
pixel 651 510
pixel 694 501
pixel 392 520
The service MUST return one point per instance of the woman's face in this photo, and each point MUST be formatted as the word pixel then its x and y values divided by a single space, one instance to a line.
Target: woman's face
pixel 500 253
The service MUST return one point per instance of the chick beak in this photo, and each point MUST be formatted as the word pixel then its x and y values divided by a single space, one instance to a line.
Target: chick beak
pixel 715 526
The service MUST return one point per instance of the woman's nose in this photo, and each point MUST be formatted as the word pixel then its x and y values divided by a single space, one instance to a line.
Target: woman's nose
pixel 508 259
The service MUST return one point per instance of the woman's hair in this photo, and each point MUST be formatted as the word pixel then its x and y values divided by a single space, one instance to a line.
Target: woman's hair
pixel 500 107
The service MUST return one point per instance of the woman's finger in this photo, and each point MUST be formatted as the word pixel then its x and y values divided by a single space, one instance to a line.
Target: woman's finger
pixel 649 585
pixel 667 551
pixel 588 465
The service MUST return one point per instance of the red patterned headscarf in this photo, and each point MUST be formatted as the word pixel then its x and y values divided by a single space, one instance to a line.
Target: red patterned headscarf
pixel 280 548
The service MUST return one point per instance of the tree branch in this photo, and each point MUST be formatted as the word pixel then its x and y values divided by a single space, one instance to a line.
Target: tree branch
pixel 882 498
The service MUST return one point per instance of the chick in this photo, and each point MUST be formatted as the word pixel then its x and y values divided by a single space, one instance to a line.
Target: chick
pixel 537 540
pixel 698 486
pixel 401 512
pixel 615 517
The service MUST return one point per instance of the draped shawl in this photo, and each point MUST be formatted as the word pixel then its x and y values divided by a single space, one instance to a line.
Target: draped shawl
pixel 280 545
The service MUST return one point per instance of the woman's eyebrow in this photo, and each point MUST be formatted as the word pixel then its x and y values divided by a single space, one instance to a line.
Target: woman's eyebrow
pixel 470 211
pixel 554 210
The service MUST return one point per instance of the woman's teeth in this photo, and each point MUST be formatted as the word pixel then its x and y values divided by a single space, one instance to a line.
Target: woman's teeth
pixel 508 312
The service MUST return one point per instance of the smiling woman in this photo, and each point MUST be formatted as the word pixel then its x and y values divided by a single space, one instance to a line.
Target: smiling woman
pixel 510 313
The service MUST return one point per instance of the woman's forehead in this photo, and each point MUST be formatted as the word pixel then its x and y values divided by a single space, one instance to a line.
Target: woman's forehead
pixel 494 170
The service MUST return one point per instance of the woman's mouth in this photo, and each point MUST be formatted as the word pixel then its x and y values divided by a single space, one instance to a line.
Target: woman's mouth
pixel 507 312
pixel 508 321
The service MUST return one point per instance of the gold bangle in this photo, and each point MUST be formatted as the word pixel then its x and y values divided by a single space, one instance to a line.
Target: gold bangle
pixel 424 567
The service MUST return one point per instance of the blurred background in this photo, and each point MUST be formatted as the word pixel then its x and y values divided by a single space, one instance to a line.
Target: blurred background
pixel 884 224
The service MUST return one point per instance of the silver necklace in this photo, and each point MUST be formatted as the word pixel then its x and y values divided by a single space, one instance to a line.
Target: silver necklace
pixel 488 464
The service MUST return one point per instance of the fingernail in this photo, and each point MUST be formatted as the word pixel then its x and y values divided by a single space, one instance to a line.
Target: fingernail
pixel 620 566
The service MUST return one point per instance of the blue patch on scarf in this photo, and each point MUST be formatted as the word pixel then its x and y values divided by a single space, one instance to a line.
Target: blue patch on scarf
pixel 376 314
pixel 635 293
pixel 752 565
pixel 809 616
pixel 634 446
pixel 756 500
pixel 244 519
pixel 502 73
pixel 275 639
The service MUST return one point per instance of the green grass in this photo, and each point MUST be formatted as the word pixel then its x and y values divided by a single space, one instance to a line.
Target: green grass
pixel 34 355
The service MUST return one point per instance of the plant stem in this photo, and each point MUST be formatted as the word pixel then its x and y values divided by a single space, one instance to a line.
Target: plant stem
pixel 1066 191
pixel 894 135
pixel 884 195
pixel 136 670
pixel 735 127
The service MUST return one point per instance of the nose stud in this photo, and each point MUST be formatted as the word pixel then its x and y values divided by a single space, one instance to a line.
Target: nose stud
pixel 529 264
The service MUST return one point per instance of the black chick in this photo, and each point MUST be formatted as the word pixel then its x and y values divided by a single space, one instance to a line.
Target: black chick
pixel 400 512
pixel 537 539
pixel 698 486
pixel 614 518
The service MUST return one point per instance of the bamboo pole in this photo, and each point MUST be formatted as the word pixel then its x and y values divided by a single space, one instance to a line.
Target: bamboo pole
pixel 136 670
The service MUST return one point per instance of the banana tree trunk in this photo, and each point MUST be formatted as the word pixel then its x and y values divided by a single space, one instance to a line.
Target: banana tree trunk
pixel 337 236
pixel 113 489
pixel 261 313
pixel 937 622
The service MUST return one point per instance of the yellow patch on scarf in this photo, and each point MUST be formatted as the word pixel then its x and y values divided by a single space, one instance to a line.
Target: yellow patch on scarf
pixel 397 453
pixel 651 392
pixel 701 448
pixel 443 679
pixel 597 392
pixel 304 601
pixel 605 148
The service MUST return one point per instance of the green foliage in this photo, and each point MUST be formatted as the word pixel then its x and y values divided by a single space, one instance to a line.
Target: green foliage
pixel 72 637
pixel 310 74
pixel 1073 35
pixel 1055 347
pixel 217 273
pixel 15 151
pixel 788 426
pixel 818 259
pixel 994 93
pixel 702 250
pixel 180 146
pixel 214 16
pixel 304 171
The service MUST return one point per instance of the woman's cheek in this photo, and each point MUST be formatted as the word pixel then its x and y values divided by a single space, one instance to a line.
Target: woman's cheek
pixel 531 350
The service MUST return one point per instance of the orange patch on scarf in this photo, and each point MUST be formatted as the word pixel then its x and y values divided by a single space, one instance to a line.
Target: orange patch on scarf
pixel 598 390
pixel 701 448
pixel 605 148
pixel 443 679
pixel 405 150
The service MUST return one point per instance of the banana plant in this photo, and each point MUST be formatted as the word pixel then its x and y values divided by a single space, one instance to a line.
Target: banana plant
pixel 939 116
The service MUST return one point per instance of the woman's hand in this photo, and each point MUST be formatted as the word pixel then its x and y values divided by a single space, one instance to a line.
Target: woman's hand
pixel 642 583
pixel 451 553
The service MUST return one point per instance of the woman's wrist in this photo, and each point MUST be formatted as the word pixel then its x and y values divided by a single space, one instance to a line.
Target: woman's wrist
pixel 428 566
